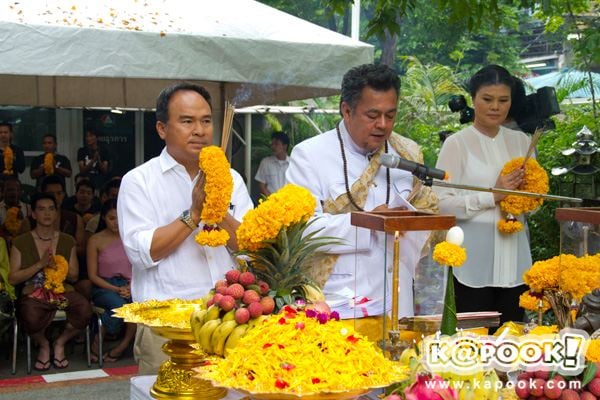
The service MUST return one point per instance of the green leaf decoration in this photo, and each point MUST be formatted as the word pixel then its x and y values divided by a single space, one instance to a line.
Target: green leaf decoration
pixel 449 319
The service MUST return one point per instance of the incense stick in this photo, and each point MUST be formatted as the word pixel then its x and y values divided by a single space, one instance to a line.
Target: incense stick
pixel 227 124
pixel 534 139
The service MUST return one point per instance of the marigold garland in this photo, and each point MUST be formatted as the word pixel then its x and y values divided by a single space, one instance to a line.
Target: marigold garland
pixel 543 274
pixel 8 161
pixel 449 254
pixel 49 163
pixel 593 351
pixel 509 226
pixel 530 301
pixel 217 188
pixel 54 277
pixel 291 353
pixel 579 275
pixel 13 223
pixel 535 181
pixel 289 205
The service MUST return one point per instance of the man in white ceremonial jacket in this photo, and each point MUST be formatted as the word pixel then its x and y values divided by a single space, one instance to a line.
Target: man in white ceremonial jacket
pixel 342 170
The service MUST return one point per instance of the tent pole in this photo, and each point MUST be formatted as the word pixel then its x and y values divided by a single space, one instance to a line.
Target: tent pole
pixel 248 150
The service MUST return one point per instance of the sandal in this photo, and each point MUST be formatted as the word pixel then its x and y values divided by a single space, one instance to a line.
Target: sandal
pixel 45 365
pixel 110 358
pixel 60 364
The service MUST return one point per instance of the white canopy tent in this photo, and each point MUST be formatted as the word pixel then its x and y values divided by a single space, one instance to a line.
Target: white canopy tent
pixel 68 54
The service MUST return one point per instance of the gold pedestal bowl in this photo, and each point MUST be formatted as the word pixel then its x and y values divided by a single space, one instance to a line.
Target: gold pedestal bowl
pixel 170 319
pixel 175 379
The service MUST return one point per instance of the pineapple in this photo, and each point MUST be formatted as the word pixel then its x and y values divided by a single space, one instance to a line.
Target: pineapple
pixel 284 263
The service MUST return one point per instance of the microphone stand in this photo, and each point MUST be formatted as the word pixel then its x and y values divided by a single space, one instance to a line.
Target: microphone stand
pixel 428 181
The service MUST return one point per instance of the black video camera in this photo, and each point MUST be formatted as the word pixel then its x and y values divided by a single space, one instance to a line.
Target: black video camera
pixel 534 111
pixel 458 103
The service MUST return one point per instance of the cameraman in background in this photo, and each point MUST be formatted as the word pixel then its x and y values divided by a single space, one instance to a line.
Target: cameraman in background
pixel 491 278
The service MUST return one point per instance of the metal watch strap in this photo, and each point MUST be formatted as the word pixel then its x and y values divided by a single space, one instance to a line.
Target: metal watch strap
pixel 186 218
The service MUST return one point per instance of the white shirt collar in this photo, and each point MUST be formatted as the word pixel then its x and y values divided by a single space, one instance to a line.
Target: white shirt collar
pixel 349 142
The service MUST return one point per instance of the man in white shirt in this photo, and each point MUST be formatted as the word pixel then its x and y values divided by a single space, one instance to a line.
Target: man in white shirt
pixel 271 171
pixel 159 208
pixel 341 168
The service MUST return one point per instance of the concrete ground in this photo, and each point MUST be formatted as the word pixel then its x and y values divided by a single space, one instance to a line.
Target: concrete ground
pixel 78 381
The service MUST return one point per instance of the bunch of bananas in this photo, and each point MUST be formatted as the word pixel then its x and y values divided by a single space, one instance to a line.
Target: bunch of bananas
pixel 218 334
pixel 479 386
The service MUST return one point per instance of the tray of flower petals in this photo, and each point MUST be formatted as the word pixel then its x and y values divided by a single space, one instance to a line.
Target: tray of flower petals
pixel 172 313
pixel 297 354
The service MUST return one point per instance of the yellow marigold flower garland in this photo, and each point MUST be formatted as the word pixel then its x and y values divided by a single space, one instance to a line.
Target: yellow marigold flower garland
pixel 449 254
pixel 291 353
pixel 289 205
pixel 543 275
pixel 54 277
pixel 217 188
pixel 49 163
pixel 593 351
pixel 530 302
pixel 509 225
pixel 535 181
pixel 8 161
pixel 13 222
pixel 579 275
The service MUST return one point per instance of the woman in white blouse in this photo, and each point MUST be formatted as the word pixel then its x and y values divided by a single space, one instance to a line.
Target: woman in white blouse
pixel 491 279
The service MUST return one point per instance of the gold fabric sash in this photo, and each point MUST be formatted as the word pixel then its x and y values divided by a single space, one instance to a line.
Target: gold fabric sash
pixel 421 197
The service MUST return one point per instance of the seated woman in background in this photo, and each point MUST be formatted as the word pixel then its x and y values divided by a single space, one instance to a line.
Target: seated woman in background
pixel 109 270
pixel 44 259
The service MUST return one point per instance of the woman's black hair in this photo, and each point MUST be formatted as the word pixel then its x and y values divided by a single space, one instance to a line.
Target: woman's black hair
pixel 490 75
pixel 108 205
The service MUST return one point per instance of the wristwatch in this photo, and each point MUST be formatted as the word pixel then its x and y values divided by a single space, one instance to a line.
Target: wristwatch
pixel 186 218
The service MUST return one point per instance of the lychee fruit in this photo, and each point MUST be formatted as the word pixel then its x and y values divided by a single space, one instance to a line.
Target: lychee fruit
pixel 236 291
pixel 587 396
pixel 255 310
pixel 217 298
pixel 242 315
pixel 250 296
pixel 522 389
pixel 264 287
pixel 525 375
pixel 227 303
pixel 221 282
pixel 554 388
pixel 233 276
pixel 542 374
pixel 569 394
pixel 536 387
pixel 594 386
pixel 268 305
pixel 247 278
pixel 222 290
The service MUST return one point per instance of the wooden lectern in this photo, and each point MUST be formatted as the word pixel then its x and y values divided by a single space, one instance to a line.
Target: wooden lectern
pixel 395 222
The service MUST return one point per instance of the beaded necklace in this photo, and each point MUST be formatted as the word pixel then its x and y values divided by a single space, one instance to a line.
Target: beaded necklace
pixel 387 172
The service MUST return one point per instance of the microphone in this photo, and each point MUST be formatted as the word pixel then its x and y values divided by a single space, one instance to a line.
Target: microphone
pixel 419 170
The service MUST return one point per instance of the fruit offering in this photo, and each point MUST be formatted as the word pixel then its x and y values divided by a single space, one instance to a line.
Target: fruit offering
pixel 236 304
pixel 547 385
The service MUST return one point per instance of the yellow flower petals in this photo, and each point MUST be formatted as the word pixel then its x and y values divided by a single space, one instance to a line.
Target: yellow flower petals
pixel 449 254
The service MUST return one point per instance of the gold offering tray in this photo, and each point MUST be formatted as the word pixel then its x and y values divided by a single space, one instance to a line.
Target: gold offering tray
pixel 173 313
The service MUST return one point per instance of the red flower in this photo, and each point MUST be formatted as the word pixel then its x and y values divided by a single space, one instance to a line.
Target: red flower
pixel 315 381
pixel 267 345
pixel 282 321
pixel 281 346
pixel 352 339
pixel 281 384
pixel 299 325
pixel 287 366
pixel 289 309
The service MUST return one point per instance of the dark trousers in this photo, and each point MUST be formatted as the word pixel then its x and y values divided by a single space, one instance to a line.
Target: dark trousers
pixel 503 300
